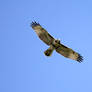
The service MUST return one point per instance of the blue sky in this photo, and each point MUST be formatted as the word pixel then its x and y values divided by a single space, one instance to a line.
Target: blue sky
pixel 23 65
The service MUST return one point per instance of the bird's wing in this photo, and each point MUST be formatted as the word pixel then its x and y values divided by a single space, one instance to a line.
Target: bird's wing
pixel 68 52
pixel 42 33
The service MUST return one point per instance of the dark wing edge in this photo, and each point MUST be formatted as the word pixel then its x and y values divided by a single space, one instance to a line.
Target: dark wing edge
pixel 80 58
pixel 33 24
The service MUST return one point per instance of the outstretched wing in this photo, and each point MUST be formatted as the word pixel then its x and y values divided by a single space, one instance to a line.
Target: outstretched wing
pixel 68 52
pixel 42 33
pixel 54 44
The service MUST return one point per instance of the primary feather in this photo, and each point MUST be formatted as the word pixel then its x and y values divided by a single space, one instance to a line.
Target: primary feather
pixel 54 44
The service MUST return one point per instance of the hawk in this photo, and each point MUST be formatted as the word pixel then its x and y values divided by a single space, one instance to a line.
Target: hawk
pixel 55 44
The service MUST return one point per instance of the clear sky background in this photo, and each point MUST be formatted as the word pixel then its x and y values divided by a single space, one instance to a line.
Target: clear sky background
pixel 23 65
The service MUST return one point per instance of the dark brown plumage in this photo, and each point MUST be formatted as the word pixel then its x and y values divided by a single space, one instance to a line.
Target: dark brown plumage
pixel 54 44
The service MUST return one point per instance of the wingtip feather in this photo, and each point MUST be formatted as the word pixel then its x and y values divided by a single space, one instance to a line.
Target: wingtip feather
pixel 80 58
pixel 34 23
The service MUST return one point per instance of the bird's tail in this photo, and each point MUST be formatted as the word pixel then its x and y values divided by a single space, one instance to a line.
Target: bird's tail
pixel 49 51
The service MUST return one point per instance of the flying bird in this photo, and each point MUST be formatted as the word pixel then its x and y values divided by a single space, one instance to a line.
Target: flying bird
pixel 55 44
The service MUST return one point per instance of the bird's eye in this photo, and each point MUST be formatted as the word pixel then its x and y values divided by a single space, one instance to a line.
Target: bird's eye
pixel 55 41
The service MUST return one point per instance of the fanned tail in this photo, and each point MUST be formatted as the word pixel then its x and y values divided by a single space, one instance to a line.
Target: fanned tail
pixel 49 51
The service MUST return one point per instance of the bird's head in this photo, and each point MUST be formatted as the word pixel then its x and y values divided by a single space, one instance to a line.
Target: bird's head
pixel 57 41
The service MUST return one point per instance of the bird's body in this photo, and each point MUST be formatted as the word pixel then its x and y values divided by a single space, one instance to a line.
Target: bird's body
pixel 54 44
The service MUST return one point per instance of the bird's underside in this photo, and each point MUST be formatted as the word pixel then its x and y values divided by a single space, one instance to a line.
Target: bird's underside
pixel 54 44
